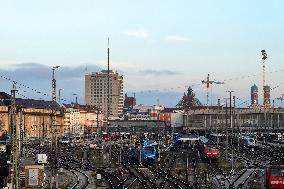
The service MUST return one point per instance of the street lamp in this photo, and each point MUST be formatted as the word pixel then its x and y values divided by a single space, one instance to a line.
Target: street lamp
pixel 231 122
pixel 264 55
pixel 53 70
pixel 54 84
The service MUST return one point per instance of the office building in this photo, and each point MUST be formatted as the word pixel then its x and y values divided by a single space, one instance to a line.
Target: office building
pixel 96 92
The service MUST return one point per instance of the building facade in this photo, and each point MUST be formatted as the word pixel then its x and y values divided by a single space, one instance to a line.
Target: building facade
pixel 72 123
pixel 33 117
pixel 96 92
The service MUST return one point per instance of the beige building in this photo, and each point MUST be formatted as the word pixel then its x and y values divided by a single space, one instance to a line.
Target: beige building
pixel 96 92
pixel 81 119
pixel 34 116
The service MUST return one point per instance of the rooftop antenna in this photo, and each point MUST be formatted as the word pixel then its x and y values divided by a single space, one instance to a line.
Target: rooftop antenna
pixel 108 89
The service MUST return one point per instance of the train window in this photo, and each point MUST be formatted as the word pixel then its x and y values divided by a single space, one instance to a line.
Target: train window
pixel 149 150
pixel 274 172
pixel 277 172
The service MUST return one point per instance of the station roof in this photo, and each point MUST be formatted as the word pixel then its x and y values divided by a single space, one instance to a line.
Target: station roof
pixel 190 137
pixel 5 100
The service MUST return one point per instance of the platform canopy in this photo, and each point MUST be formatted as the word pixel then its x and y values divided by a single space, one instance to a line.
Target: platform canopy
pixel 191 137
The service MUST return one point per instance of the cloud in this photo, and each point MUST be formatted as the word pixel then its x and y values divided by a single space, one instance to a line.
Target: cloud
pixel 158 72
pixel 39 71
pixel 38 76
pixel 139 33
pixel 176 38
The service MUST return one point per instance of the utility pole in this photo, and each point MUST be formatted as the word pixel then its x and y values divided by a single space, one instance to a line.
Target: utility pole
pixel 14 159
pixel 43 129
pixel 271 117
pixel 21 131
pixel 232 137
pixel 218 124
pixel 97 117
pixel 54 152
pixel 226 122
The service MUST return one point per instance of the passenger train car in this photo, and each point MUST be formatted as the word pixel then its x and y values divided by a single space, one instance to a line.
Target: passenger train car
pixel 150 153
pixel 248 141
pixel 210 151
pixel 5 142
pixel 274 177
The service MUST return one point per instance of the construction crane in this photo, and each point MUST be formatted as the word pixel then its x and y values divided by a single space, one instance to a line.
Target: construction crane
pixel 281 99
pixel 265 100
pixel 209 83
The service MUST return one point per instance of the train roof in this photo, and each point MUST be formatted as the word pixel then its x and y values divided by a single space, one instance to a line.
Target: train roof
pixel 217 135
pixel 275 166
pixel 150 143
pixel 247 137
pixel 191 137
pixel 203 139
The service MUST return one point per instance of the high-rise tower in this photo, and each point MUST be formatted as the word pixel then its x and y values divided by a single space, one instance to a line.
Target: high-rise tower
pixel 254 95
pixel 96 92
pixel 266 99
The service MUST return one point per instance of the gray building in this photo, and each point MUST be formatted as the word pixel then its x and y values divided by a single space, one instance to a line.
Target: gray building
pixel 96 91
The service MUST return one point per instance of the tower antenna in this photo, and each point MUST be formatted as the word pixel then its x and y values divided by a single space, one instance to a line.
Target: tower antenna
pixel 108 89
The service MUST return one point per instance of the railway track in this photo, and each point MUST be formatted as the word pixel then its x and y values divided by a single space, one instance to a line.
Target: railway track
pixel 76 168
pixel 165 170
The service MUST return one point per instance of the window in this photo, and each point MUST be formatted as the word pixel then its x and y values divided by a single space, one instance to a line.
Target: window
pixel 149 150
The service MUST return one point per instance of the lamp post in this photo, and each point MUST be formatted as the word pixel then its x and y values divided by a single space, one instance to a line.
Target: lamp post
pixel 218 123
pixel 231 123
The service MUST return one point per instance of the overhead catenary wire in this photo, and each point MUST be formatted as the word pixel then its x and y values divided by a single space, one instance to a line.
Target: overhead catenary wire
pixel 31 89
pixel 44 94
pixel 185 86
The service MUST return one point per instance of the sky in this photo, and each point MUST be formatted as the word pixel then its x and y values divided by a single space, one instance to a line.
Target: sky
pixel 160 46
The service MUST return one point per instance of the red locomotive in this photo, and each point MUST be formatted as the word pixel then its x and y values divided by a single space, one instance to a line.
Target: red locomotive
pixel 211 152
pixel 274 177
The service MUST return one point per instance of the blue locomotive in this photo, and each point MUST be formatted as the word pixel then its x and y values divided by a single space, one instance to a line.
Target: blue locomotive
pixel 248 141
pixel 150 153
